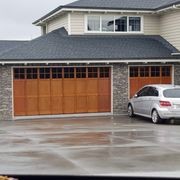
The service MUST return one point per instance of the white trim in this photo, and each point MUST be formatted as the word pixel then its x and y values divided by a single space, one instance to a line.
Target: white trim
pixel 90 61
pixel 173 74
pixel 139 65
pixel 175 54
pixel 69 23
pixel 112 90
pixel 61 116
pixel 12 84
pixel 128 82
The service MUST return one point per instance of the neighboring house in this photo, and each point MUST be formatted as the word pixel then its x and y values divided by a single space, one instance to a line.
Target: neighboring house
pixel 92 56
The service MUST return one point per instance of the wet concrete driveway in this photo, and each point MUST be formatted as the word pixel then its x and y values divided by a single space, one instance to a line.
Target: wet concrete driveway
pixel 90 146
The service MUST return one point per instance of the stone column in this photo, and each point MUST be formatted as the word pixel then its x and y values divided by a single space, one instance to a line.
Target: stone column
pixel 5 93
pixel 120 88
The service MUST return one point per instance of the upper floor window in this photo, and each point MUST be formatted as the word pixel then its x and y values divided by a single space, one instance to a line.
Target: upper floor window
pixel 121 24
pixel 109 23
pixel 93 23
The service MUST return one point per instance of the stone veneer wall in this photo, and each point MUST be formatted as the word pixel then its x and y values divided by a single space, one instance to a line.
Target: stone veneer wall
pixel 5 93
pixel 177 74
pixel 120 88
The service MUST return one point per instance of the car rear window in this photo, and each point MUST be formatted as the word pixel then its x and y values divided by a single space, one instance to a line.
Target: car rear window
pixel 171 93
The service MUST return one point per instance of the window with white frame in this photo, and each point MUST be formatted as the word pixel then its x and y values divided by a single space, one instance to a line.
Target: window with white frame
pixel 121 24
pixel 93 23
pixel 108 23
pixel 105 23
pixel 134 24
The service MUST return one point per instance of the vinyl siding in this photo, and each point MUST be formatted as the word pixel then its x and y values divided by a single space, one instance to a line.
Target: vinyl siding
pixel 59 22
pixel 170 27
pixel 77 23
pixel 151 23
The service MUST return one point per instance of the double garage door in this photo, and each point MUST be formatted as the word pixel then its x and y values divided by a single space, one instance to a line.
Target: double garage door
pixel 61 90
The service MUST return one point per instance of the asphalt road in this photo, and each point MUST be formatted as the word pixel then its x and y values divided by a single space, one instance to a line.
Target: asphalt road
pixel 113 146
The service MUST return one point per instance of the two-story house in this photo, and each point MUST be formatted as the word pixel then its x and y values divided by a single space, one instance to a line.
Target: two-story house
pixel 92 56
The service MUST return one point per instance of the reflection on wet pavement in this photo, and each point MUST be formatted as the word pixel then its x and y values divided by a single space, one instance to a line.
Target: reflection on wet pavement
pixel 90 146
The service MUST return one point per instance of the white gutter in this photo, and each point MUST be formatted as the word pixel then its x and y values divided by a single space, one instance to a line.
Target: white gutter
pixel 101 10
pixel 175 54
pixel 91 62
pixel 169 8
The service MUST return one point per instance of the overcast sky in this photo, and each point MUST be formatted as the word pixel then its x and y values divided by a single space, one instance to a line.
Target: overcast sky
pixel 16 17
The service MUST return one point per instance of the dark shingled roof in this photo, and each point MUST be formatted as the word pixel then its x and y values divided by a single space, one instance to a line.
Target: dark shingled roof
pixel 8 45
pixel 57 45
pixel 151 5
pixel 123 4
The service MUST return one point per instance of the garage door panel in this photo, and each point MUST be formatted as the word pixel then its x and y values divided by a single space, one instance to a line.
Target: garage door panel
pixel 81 104
pixel 57 105
pixel 44 105
pixel 56 88
pixel 44 88
pixel 32 106
pixel 19 88
pixel 32 88
pixel 104 103
pixel 69 86
pixel 81 86
pixel 19 106
pixel 166 80
pixel 155 81
pixel 92 86
pixel 144 81
pixel 92 103
pixel 134 86
pixel 69 104
pixel 104 86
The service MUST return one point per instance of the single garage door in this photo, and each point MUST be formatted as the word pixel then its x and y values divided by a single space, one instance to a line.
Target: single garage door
pixel 144 75
pixel 61 90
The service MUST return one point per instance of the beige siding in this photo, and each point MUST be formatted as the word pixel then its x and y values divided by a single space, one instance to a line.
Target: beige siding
pixel 170 27
pixel 61 21
pixel 77 23
pixel 151 25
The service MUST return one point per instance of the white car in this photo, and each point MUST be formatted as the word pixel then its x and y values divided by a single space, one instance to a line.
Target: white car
pixel 158 102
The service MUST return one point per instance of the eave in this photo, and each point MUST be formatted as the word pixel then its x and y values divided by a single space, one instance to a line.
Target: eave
pixel 87 62
pixel 64 9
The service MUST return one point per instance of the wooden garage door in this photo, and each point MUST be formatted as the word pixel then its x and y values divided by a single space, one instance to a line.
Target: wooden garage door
pixel 61 90
pixel 144 75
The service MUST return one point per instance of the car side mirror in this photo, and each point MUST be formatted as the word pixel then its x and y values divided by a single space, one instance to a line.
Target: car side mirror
pixel 135 96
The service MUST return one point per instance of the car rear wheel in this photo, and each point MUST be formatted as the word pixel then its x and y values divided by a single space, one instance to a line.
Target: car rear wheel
pixel 130 111
pixel 155 117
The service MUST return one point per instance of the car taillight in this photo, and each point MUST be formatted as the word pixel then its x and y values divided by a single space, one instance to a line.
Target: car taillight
pixel 165 103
